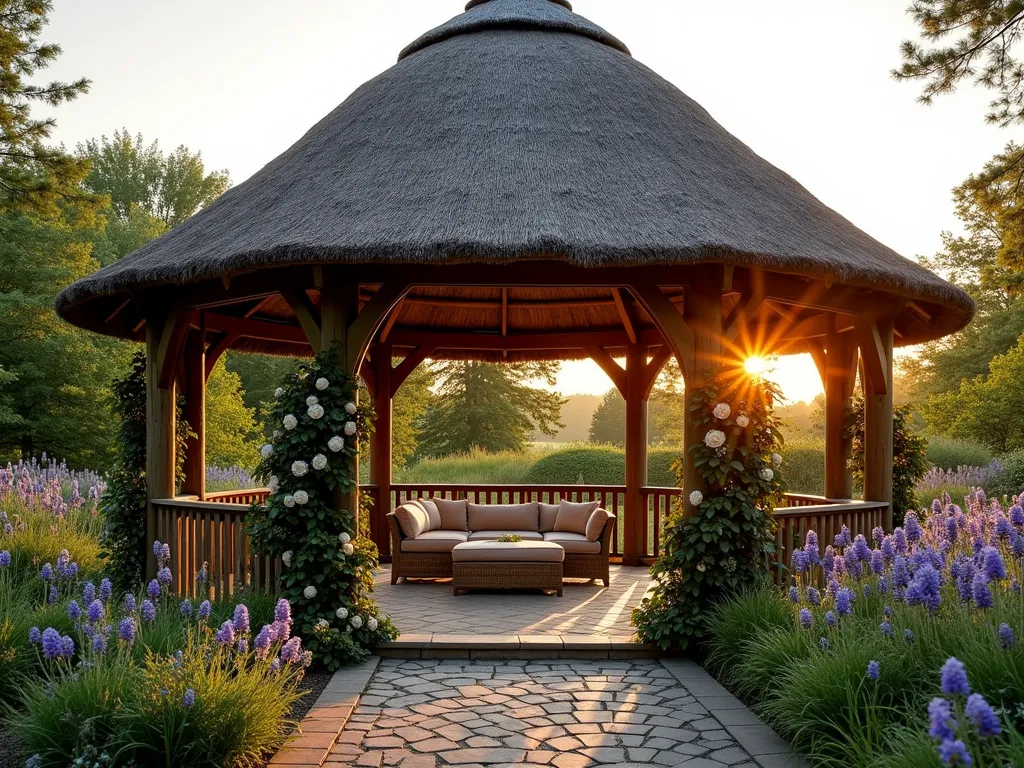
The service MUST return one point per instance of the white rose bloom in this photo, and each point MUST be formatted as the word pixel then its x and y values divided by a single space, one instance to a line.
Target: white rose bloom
pixel 286 558
pixel 322 624
pixel 273 484
pixel 341 613
pixel 278 392
pixel 356 622
pixel 742 421
pixel 312 400
pixel 315 411
pixel 350 428
pixel 371 624
pixel 266 451
pixel 344 538
pixel 277 433
pixel 722 411
pixel 696 497
pixel 701 567
pixel 350 408
pixel 290 422
pixel 322 383
pixel 319 461
pixel 301 497
pixel 336 443
pixel 767 474
pixel 299 468
pixel 776 459
pixel 309 592
pixel 289 500
pixel 347 548
pixel 715 438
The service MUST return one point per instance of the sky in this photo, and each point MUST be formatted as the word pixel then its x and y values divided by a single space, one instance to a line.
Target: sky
pixel 805 83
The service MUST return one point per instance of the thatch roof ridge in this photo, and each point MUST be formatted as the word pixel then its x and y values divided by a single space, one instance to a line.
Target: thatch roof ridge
pixel 510 14
pixel 515 144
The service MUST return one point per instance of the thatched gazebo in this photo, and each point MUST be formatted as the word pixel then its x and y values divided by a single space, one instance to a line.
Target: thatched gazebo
pixel 518 187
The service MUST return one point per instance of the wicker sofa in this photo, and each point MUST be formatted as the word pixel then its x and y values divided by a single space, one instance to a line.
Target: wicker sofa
pixel 424 532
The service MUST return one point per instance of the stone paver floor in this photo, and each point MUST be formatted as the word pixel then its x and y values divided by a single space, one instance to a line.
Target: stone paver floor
pixel 584 609
pixel 427 713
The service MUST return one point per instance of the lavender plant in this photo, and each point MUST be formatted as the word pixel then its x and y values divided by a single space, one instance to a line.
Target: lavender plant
pixel 328 566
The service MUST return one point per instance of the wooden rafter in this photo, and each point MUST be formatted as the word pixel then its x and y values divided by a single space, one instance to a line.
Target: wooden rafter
pixel 256 329
pixel 504 311
pixel 666 316
pixel 361 330
pixel 392 318
pixel 172 341
pixel 305 313
pixel 218 348
pixel 614 371
pixel 816 349
pixel 258 306
pixel 625 315
pixel 653 368
pixel 402 371
pixel 749 304
pixel 873 355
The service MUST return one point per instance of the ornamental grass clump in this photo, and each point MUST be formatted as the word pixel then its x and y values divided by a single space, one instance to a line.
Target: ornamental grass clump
pixel 946 584
pixel 727 545
pixel 145 681
pixel 328 565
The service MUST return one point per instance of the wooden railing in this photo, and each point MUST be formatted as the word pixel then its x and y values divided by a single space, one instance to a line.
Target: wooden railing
pixel 213 531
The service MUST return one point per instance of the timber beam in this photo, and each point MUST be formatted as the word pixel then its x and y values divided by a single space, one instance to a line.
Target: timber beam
pixel 613 370
pixel 307 315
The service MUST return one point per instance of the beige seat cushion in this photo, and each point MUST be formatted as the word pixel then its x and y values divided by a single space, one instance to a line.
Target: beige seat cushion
pixel 434 541
pixel 596 523
pixel 508 552
pixel 548 513
pixel 504 517
pixel 572 516
pixel 432 513
pixel 574 542
pixel 453 514
pixel 491 535
pixel 412 519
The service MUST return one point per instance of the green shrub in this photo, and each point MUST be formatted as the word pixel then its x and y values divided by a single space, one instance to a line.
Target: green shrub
pixel 659 466
pixel 507 467
pixel 580 464
pixel 732 623
pixel 1011 482
pixel 950 453
pixel 804 465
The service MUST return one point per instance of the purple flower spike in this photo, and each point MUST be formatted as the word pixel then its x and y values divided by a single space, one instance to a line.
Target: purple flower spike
pixel 794 595
pixel 96 611
pixel 186 608
pixel 153 590
pixel 843 538
pixel 99 643
pixel 899 540
pixel 806 619
pixel 148 611
pixel 954 753
pixel 980 713
pixel 861 550
pixel 189 699
pixel 291 653
pixel 1006 637
pixel 843 601
pixel 129 602
pixel 74 610
pixel 67 646
pixel 164 577
pixel 994 566
pixel 912 526
pixel 126 630
pixel 940 718
pixel 813 596
pixel 226 634
pixel 5 558
pixel 980 592
pixel 877 562
pixel 52 645
pixel 830 619
pixel 954 678
pixel 165 552
pixel 262 642
pixel 283 610
pixel 204 610
pixel 886 629
pixel 241 619
pixel 877 534
pixel 873 670
pixel 1017 515
pixel 88 592
pixel 106 588
pixel 908 635
pixel 34 636
pixel 156 548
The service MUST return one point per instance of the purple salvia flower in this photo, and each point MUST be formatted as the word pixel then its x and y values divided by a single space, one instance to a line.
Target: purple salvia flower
pixel 74 610
pixel 811 548
pixel 291 653
pixel 912 526
pixel 204 610
pixel 163 576
pixel 844 598
pixel 886 628
pixel 942 724
pixel 866 590
pixel 995 568
pixel 226 634
pixel 186 608
pixel 165 552
pixel 126 630
pixel 95 611
pixel 888 549
pixel 843 537
pixel 899 541
pixel 813 596
pixel 887 612
pixel 129 602
pixel 243 644
pixel 830 619
pixel 1003 527
pixel 189 699
pixel 861 549
pixel 877 534
pixel 34 636
pixel 262 642
pixel 900 573
pixel 877 562
pixel 283 611
pixel 963 570
pixel 99 643
pixel 980 713
pixel 1017 515
pixel 46 572
pixel 1006 638
pixel 952 531
pixel 148 611
pixel 153 590
pixel 954 678
pixel 67 646
pixel 5 558
pixel 88 592
pixel 275 665
pixel 980 592
pixel 806 619
pixel 156 548
pixel 794 595
pixel 798 561
pixel 873 670
pixel 954 752
pixel 908 635
pixel 241 618
pixel 924 588
pixel 106 588
pixel 52 645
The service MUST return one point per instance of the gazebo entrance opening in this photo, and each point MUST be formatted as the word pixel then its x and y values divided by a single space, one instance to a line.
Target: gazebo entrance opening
pixel 708 317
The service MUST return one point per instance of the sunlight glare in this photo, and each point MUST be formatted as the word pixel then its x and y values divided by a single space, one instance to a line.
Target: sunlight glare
pixel 756 365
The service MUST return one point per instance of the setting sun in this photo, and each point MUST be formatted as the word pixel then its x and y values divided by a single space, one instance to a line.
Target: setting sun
pixel 756 365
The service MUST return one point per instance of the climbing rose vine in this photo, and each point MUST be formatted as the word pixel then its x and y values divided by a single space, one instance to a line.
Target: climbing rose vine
pixel 328 566
pixel 728 543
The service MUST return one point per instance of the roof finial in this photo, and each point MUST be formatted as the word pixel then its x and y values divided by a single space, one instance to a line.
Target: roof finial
pixel 474 3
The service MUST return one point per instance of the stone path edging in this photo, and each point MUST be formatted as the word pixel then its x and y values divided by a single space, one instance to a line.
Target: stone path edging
pixel 767 748
pixel 522 646
pixel 313 740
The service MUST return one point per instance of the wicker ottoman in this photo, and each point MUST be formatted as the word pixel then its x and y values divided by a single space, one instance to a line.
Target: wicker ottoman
pixel 507 565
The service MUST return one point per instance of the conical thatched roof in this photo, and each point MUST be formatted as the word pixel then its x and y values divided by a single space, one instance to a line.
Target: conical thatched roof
pixel 519 131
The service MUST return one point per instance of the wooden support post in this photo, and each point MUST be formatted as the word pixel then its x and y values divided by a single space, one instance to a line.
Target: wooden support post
pixel 635 540
pixel 878 454
pixel 160 440
pixel 195 415
pixel 339 307
pixel 380 448
pixel 839 378
pixel 702 312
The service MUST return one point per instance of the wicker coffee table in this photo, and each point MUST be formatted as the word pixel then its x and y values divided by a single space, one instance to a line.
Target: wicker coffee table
pixel 507 565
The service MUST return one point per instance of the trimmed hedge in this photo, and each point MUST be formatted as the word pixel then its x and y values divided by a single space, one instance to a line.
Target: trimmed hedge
pixel 950 453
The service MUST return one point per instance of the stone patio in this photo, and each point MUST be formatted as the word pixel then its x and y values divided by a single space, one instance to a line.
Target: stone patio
pixel 427 607
pixel 567 714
